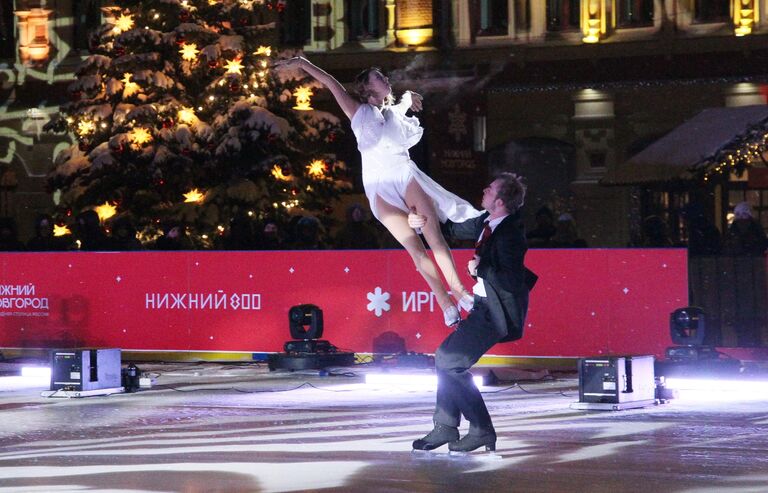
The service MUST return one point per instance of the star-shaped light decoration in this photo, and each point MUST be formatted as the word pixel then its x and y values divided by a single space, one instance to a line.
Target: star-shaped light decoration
pixel 105 211
pixel 139 136
pixel 85 127
pixel 61 230
pixel 263 51
pixel 303 96
pixel 234 66
pixel 189 52
pixel 277 172
pixel 317 168
pixel 194 196
pixel 129 88
pixel 187 115
pixel 123 23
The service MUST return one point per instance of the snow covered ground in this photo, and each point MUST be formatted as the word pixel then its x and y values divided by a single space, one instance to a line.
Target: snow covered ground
pixel 240 428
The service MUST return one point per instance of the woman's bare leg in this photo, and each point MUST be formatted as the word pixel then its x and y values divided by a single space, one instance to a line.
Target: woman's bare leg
pixel 396 221
pixel 415 197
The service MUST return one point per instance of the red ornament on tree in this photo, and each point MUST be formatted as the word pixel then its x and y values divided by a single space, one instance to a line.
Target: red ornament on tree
pixel 183 16
pixel 212 63
pixel 180 40
pixel 119 51
pixel 234 87
pixel 168 123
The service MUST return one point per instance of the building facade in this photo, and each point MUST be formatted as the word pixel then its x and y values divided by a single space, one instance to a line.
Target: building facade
pixel 561 91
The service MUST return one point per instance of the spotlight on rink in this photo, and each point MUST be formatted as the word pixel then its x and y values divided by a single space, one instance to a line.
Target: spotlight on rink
pixel 410 381
pixel 712 389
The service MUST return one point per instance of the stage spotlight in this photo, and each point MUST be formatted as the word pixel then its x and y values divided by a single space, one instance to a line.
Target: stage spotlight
pixel 307 350
pixel 687 326
pixel 305 322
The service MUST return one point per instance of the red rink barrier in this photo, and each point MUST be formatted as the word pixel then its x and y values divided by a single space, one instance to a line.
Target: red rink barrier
pixel 587 302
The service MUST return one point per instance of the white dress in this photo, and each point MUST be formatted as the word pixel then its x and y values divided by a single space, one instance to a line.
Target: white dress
pixel 383 138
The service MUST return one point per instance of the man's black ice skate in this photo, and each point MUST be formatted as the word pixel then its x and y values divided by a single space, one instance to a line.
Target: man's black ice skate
pixel 473 441
pixel 439 436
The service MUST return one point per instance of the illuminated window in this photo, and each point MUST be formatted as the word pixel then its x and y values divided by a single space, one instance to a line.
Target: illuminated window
pixel 295 23
pixel 363 20
pixel 493 18
pixel 635 13
pixel 712 10
pixel 563 15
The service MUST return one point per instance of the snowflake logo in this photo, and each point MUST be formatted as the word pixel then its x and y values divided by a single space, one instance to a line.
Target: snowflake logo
pixel 378 301
pixel 458 123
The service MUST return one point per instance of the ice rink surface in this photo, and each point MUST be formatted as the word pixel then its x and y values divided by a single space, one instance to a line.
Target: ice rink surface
pixel 241 428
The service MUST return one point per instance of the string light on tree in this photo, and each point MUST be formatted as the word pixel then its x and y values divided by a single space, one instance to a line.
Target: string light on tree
pixel 123 23
pixel 263 51
pixel 194 196
pixel 105 211
pixel 234 66
pixel 129 88
pixel 139 136
pixel 303 97
pixel 189 52
pixel 186 115
pixel 85 127
pixel 317 168
pixel 61 230
pixel 277 172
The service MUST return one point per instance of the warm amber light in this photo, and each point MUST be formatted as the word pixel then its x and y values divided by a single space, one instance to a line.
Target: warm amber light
pixel 61 230
pixel 303 98
pixel 139 136
pixel 414 37
pixel 186 115
pixel 194 195
pixel 277 172
pixel 234 66
pixel 129 88
pixel 317 168
pixel 85 127
pixel 263 50
pixel 105 211
pixel 123 23
pixel 189 52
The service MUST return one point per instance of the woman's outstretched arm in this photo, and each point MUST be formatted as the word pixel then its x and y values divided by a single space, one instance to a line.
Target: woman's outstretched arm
pixel 347 103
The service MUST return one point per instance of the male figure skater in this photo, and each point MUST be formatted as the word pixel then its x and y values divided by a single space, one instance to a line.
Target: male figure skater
pixel 498 315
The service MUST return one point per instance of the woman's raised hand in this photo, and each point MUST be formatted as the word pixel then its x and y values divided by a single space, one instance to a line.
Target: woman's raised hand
pixel 416 101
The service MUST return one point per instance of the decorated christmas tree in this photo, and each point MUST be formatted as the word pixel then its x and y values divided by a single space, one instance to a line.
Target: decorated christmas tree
pixel 178 116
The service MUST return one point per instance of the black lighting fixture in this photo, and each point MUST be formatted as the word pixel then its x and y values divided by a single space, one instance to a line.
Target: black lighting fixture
pixel 305 322
pixel 306 350
pixel 692 354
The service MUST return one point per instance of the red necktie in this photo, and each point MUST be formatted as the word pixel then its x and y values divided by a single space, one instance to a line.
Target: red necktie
pixel 483 238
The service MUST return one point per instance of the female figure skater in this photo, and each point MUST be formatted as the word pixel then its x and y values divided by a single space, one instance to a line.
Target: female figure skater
pixel 393 184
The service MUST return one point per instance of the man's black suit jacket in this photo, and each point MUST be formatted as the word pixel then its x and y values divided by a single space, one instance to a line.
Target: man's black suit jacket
pixel 507 280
